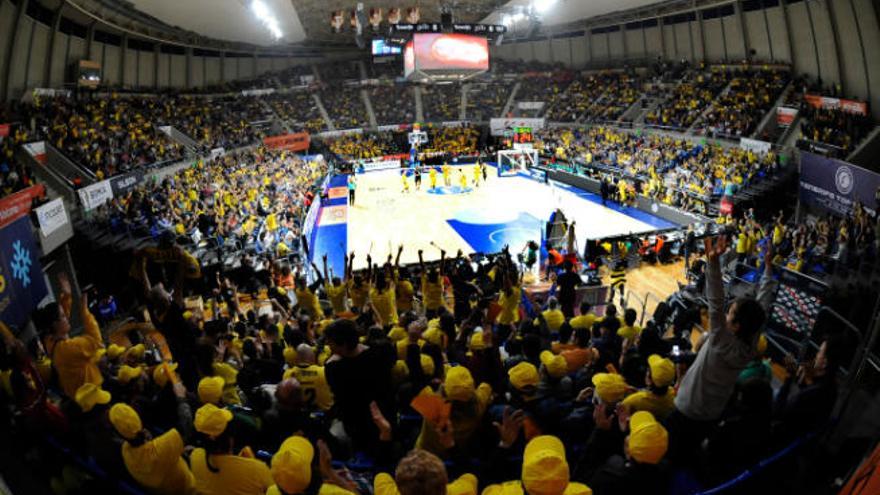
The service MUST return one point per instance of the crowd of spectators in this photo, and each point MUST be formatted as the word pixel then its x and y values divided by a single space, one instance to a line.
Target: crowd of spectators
pixel 689 99
pixel 453 140
pixel 486 99
pixel 108 135
pixel 676 171
pixel 751 94
pixel 359 146
pixel 441 102
pixel 842 129
pixel 298 107
pixel 543 88
pixel 408 382
pixel 599 97
pixel 216 122
pixel 340 71
pixel 14 176
pixel 345 106
pixel 393 104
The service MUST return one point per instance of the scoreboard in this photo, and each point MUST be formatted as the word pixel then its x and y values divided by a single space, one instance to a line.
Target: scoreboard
pixel 523 138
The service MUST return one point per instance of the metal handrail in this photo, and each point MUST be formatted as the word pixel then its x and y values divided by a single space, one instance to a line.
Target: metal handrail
pixel 643 301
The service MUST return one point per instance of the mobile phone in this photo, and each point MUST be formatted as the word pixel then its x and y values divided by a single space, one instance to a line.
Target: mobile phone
pixel 676 351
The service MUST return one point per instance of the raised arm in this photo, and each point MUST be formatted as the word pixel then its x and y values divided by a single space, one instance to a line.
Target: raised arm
pixel 768 285
pixel 397 259
pixel 442 261
pixel 421 262
pixel 326 273
pixel 715 247
pixel 348 266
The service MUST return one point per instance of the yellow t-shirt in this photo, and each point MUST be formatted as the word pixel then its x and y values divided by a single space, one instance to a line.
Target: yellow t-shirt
pixel 326 489
pixel 385 304
pixel 644 400
pixel 158 466
pixel 358 294
pixel 230 382
pixel 73 358
pixel 314 383
pixel 515 487
pixel 432 293
pixel 554 319
pixel 309 302
pixel 509 306
pixel 627 332
pixel 404 292
pixel 583 321
pixel 466 484
pixel 336 294
pixel 234 475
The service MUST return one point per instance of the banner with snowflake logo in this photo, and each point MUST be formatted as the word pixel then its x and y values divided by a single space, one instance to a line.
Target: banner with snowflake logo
pixel 22 285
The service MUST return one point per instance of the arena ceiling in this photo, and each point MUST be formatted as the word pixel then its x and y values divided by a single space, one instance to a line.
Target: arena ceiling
pixel 308 21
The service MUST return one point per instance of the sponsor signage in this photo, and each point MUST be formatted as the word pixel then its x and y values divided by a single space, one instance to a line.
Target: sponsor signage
pixel 51 216
pixel 37 149
pixel 826 102
pixel 379 164
pixel 298 141
pixel 755 145
pixel 18 204
pixel 466 28
pixel 258 92
pixel 530 105
pixel 498 126
pixel 835 185
pixel 95 195
pixel 4 130
pixel 122 184
pixel 785 116
pixel 344 132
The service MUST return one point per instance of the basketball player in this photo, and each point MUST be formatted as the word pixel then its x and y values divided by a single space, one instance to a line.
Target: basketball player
pixel 432 175
pixel 405 181
pixel 446 174
pixel 477 175
pixel 352 186
pixel 483 170
pixel 418 177
pixel 462 180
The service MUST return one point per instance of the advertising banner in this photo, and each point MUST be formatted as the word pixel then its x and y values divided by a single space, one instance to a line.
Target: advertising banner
pixel 51 216
pixel 344 132
pixel 754 145
pixel 498 125
pixel 393 127
pixel 122 184
pixel 217 152
pixel 22 284
pixel 530 105
pixel 18 204
pixel 298 141
pixel 378 165
pixel 785 116
pixel 450 51
pixel 37 149
pixel 836 185
pixel 4 130
pixel 311 222
pixel 827 102
pixel 258 92
pixel 96 194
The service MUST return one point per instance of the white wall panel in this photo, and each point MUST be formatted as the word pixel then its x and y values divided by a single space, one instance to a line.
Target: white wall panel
pixel 17 77
pixel 39 53
pixel 178 71
pixel 599 44
pixel 696 36
pixel 7 19
pixel 164 69
pixel 635 44
pixel 212 70
pixel 230 69
pixel 246 67
pixel 579 54
pixel 146 69
pixel 653 41
pixel 668 42
pixel 131 67
pixel 825 43
pixel 867 20
pixel 59 51
pixel 804 54
pixel 111 64
pixel 714 40
pixel 522 51
pixel 264 65
pixel 615 43
pixel 683 40
pixel 756 30
pixel 542 50
pixel 778 34
pixel 197 72
pixel 736 49
pixel 561 51
pixel 77 49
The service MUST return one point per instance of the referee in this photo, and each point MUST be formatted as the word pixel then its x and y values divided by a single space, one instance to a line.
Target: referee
pixel 618 280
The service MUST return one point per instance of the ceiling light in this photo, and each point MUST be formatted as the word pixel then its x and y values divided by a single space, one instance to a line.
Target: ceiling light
pixel 542 6
pixel 264 15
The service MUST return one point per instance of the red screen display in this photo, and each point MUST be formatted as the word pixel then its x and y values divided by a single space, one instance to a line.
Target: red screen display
pixel 450 51
pixel 409 59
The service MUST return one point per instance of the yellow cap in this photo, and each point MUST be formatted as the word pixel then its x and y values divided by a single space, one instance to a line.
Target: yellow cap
pixel 211 389
pixel 114 351
pixel 762 344
pixel 662 370
pixel 466 484
pixel 136 351
pixel 427 363
pixel 648 439
pixel 400 372
pixel 128 373
pixel 160 376
pixel 459 384
pixel 125 420
pixel 433 336
pixel 290 356
pixel 397 333
pixel 98 355
pixel 292 465
pixel 212 420
pixel 610 387
pixel 523 375
pixel 89 395
pixel 556 365
pixel 476 343
pixel 545 470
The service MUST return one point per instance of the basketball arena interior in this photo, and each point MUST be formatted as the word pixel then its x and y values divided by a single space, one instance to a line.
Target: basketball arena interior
pixel 430 247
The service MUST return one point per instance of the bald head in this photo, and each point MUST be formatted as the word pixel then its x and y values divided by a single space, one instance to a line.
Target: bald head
pixel 288 393
pixel 305 354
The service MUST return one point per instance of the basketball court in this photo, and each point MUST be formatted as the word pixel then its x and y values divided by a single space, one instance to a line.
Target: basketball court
pixel 503 211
